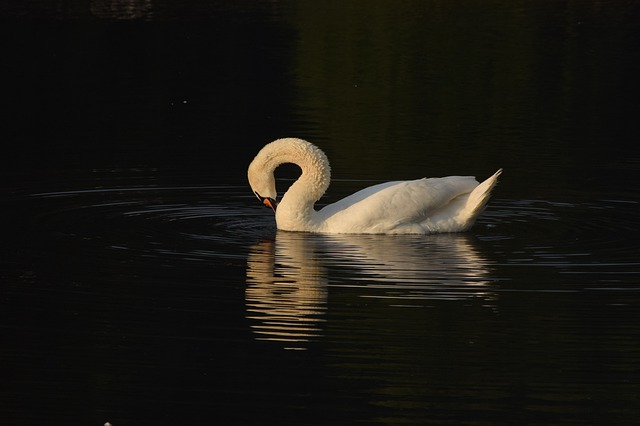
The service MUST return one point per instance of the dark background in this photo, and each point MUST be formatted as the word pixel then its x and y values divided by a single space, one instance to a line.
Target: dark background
pixel 200 86
pixel 188 88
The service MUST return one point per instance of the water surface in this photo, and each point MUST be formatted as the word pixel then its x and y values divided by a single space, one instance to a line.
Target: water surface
pixel 143 283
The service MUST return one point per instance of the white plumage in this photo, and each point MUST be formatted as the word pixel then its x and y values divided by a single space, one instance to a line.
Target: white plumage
pixel 422 206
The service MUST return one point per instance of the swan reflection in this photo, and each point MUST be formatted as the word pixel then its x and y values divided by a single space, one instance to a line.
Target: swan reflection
pixel 287 290
pixel 288 277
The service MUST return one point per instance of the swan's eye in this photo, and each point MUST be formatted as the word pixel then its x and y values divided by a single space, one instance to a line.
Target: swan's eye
pixel 258 195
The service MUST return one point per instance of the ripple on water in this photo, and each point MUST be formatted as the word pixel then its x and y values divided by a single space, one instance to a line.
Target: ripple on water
pixel 199 222
pixel 186 223
pixel 289 278
pixel 592 240
pixel 588 244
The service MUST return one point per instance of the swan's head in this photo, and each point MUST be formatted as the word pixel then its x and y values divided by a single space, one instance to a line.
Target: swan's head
pixel 263 184
pixel 316 172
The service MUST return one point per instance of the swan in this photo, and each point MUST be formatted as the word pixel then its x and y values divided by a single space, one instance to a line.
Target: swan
pixel 422 206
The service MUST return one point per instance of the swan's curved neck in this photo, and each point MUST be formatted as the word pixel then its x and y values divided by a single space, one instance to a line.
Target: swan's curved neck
pixel 295 211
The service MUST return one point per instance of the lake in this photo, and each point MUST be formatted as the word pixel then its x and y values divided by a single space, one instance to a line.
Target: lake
pixel 141 282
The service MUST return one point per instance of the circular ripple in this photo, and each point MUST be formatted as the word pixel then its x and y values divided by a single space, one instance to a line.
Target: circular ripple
pixel 187 223
pixel 200 223
pixel 590 241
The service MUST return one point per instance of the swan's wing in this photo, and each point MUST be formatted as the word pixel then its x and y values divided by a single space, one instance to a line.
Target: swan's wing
pixel 383 207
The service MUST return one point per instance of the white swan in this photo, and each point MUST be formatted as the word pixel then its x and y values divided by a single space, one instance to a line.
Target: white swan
pixel 422 206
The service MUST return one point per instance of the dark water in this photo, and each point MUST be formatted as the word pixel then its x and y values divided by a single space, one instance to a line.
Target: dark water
pixel 142 283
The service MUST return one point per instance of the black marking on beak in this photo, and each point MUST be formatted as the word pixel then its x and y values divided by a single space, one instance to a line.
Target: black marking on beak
pixel 269 202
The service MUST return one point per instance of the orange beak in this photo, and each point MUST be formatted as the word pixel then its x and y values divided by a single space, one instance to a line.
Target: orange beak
pixel 271 203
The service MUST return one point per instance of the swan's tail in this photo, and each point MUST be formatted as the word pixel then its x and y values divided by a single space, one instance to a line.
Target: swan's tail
pixel 479 196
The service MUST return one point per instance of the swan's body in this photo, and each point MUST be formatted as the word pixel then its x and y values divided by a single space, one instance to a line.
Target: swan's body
pixel 422 206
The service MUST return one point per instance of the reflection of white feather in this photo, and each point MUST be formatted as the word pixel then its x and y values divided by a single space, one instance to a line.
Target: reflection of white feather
pixel 286 292
pixel 440 261
pixel 287 278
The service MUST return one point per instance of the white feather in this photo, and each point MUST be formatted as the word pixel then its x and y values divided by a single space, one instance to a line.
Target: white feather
pixel 448 204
